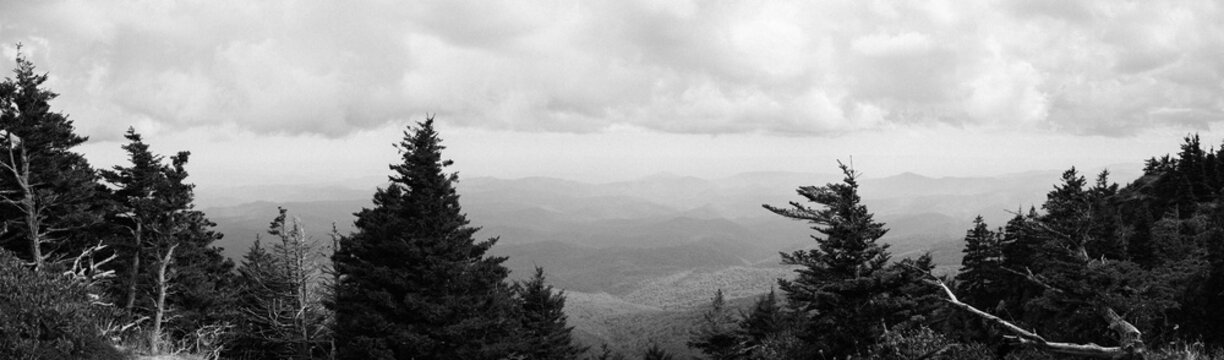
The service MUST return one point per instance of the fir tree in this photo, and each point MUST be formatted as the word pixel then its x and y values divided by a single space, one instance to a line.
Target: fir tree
pixel 715 335
pixel 980 279
pixel 1067 205
pixel 281 296
pixel 845 289
pixel 259 283
pixel 155 206
pixel 762 326
pixel 606 353
pixel 1104 233
pixel 654 352
pixel 48 193
pixel 413 282
pixel 546 335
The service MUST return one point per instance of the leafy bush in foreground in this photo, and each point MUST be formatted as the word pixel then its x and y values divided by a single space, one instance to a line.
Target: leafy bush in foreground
pixel 45 315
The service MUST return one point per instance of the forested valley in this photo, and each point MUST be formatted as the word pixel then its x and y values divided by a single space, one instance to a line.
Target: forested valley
pixel 120 264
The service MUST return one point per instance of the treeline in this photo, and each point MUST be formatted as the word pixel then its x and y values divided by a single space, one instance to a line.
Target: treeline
pixel 112 263
pixel 1100 270
pixel 116 263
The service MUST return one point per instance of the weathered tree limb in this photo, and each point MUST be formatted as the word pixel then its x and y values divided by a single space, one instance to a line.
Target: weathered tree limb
pixel 1032 278
pixel 1129 337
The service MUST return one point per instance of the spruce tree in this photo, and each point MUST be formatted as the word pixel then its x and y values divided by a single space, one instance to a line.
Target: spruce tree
pixel 48 192
pixel 280 295
pixel 980 279
pixel 155 206
pixel 413 281
pixel 260 284
pixel 546 335
pixel 715 335
pixel 845 290
pixel 1105 233
pixel 762 328
pixel 654 352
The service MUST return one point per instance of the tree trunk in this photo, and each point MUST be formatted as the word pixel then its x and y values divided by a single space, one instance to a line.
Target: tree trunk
pixel 132 276
pixel 163 286
pixel 33 225
pixel 28 204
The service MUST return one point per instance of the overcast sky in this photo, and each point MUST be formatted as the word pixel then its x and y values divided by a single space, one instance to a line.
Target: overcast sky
pixel 316 91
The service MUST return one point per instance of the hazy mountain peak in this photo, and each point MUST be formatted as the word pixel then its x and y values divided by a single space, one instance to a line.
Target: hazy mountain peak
pixel 909 176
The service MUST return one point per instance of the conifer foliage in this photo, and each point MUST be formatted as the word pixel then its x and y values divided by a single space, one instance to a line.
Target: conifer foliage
pixel 715 335
pixel 154 205
pixel 47 191
pixel 281 295
pixel 979 281
pixel 413 281
pixel 546 335
pixel 846 293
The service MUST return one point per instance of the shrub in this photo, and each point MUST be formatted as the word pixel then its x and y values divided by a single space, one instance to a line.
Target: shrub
pixel 44 315
pixel 923 343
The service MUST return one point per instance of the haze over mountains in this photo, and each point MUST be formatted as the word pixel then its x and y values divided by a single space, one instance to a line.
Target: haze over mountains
pixel 651 248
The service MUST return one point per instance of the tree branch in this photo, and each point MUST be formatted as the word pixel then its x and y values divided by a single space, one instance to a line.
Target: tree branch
pixel 1129 337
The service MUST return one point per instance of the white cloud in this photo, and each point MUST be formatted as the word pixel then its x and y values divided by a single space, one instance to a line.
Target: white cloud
pixel 779 67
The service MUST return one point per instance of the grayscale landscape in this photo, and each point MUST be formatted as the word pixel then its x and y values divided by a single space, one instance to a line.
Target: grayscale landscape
pixel 611 180
pixel 637 257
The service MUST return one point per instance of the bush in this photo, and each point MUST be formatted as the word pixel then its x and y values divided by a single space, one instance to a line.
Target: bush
pixel 923 343
pixel 45 315
pixel 1186 351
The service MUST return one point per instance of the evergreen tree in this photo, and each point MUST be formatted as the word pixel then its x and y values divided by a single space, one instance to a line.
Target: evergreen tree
pixel 980 280
pixel 413 282
pixel 654 352
pixel 1192 164
pixel 281 295
pixel 1105 237
pixel 259 282
pixel 1067 207
pixel 762 328
pixel 546 335
pixel 715 335
pixel 48 193
pixel 606 353
pixel 845 290
pixel 155 206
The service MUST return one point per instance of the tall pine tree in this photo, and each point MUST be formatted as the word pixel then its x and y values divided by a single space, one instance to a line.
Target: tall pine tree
pixel 413 281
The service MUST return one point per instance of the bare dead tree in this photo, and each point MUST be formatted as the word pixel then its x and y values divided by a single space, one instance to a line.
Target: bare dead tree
pixel 289 311
pixel 25 198
pixel 300 256
pixel 329 288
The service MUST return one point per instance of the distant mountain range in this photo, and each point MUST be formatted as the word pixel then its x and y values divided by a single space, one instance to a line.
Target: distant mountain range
pixel 658 246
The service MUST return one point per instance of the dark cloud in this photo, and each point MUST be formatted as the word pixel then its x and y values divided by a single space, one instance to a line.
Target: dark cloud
pixel 804 68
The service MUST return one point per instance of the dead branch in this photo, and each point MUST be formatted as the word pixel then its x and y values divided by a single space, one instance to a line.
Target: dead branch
pixel 1032 278
pixel 1128 336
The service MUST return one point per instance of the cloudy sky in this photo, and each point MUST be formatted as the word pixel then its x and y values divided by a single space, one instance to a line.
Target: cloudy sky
pixel 315 91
